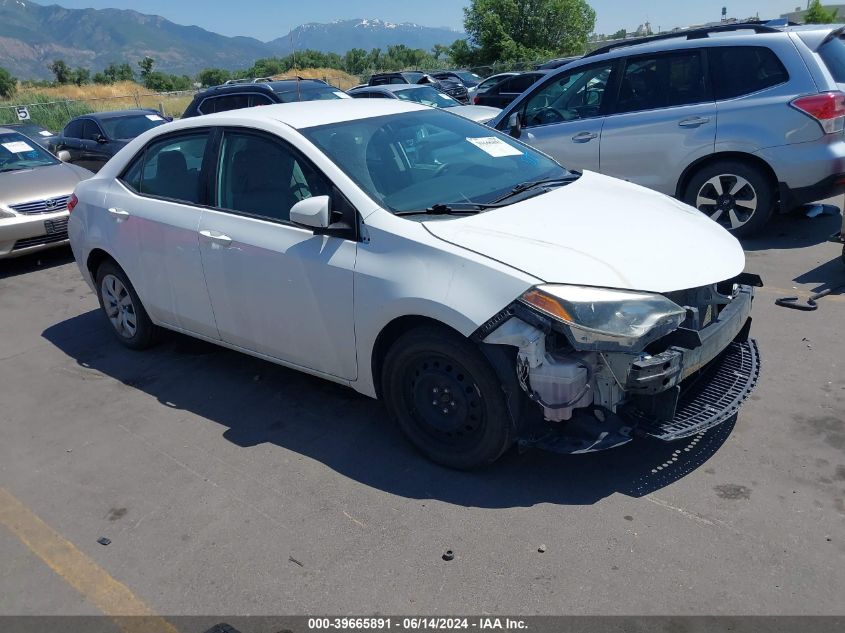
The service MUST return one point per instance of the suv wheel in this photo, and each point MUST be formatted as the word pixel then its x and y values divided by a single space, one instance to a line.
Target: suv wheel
pixel 122 307
pixel 446 398
pixel 735 194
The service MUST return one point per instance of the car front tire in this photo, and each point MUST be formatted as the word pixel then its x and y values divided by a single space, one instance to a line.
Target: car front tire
pixel 123 309
pixel 735 194
pixel 446 398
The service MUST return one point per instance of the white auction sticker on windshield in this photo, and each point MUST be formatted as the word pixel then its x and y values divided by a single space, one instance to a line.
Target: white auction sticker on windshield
pixel 494 146
pixel 154 117
pixel 18 147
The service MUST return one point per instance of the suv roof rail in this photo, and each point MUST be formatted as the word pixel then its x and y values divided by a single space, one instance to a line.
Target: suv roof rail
pixel 256 80
pixel 690 34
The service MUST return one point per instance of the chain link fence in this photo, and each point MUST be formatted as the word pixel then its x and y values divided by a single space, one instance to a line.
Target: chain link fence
pixel 53 113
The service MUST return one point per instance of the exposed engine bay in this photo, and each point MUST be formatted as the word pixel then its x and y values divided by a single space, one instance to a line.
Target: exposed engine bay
pixel 602 389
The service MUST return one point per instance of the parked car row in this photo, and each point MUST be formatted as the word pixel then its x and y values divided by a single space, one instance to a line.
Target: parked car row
pixel 734 126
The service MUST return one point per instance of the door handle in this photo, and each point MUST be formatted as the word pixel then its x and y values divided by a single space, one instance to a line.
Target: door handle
pixel 584 137
pixel 694 121
pixel 217 239
pixel 119 214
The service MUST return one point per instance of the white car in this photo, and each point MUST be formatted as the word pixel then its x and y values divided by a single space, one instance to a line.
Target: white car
pixel 486 294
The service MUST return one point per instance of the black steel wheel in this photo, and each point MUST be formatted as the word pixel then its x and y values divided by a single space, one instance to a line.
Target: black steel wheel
pixel 446 398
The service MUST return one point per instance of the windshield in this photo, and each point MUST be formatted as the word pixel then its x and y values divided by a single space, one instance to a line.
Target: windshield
pixel 320 93
pixel 427 96
pixel 126 127
pixel 469 79
pixel 416 160
pixel 18 152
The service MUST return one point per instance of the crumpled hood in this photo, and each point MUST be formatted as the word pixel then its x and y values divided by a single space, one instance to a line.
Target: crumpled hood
pixel 600 231
pixel 40 183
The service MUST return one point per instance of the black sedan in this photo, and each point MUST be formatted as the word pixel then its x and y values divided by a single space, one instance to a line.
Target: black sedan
pixel 92 139
pixel 41 135
pixel 501 94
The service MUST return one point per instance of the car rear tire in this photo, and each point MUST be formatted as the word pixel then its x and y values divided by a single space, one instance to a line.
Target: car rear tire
pixel 120 303
pixel 446 398
pixel 735 194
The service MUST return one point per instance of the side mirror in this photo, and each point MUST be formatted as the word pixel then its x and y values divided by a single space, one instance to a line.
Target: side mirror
pixel 515 125
pixel 101 139
pixel 63 155
pixel 312 212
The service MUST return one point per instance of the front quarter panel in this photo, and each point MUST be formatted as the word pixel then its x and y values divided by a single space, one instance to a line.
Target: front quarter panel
pixel 403 270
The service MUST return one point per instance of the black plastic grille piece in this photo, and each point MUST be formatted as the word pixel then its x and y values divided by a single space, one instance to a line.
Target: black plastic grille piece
pixel 56 232
pixel 707 398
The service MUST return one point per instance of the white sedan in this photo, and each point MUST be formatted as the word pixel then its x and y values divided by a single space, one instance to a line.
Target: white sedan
pixel 486 294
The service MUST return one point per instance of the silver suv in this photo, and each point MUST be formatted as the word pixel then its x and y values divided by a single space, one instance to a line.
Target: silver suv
pixel 733 120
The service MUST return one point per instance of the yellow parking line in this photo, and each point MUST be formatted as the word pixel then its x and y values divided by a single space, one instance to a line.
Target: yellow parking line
pixel 80 572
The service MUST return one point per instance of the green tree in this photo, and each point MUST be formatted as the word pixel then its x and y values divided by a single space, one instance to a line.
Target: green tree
pixel 355 61
pixel 8 84
pixel 213 76
pixel 146 66
pixel 505 30
pixel 62 72
pixel 81 76
pixel 101 78
pixel 619 35
pixel 817 14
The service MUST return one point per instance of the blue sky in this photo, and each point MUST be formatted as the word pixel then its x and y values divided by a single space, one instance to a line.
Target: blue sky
pixel 268 19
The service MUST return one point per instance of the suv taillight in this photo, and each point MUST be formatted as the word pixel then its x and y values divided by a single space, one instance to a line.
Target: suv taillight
pixel 71 202
pixel 476 99
pixel 828 108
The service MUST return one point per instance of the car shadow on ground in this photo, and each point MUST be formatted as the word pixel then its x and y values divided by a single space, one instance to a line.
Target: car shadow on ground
pixel 827 276
pixel 259 402
pixel 796 230
pixel 36 261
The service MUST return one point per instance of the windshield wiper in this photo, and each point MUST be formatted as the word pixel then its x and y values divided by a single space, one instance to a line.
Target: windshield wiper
pixel 453 208
pixel 5 169
pixel 534 184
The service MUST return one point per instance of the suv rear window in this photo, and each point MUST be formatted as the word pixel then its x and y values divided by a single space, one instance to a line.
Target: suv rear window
pixel 833 55
pixel 741 70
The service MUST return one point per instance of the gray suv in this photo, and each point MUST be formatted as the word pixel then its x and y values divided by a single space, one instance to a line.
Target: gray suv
pixel 732 120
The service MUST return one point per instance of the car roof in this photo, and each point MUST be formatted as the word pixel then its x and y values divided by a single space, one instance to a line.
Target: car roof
pixel 743 33
pixel 304 114
pixel 115 114
pixel 395 87
pixel 277 85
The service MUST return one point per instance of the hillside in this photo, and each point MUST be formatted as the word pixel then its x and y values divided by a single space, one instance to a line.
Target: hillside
pixel 32 35
pixel 343 35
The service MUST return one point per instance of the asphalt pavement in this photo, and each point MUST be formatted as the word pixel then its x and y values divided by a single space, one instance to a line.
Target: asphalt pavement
pixel 228 485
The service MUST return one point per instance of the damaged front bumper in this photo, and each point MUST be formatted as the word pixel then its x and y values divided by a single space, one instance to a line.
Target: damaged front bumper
pixel 685 383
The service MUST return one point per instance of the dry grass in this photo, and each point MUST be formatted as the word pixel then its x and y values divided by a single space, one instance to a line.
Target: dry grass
pixel 88 91
pixel 335 77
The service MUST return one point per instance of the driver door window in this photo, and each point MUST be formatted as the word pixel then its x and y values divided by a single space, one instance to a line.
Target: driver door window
pixel 261 177
pixel 573 96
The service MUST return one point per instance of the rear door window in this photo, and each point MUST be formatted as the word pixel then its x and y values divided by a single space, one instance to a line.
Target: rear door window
pixel 662 81
pixel 833 55
pixel 74 129
pixel 170 168
pixel 742 70
pixel 224 103
pixel 518 84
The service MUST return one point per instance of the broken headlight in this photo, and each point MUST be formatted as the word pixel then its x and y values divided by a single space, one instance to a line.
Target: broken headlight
pixel 603 319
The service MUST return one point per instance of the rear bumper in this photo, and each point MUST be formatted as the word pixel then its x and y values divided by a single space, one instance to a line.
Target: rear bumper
pixel 807 172
pixel 830 186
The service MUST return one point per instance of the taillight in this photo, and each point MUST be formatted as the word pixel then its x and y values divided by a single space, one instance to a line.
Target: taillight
pixel 828 108
pixel 71 202
pixel 476 99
